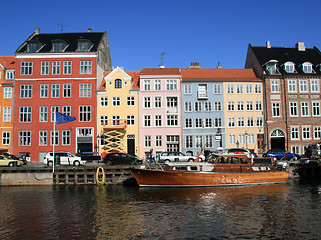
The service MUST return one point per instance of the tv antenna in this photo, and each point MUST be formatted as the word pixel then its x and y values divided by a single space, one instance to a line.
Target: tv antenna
pixel 62 27
pixel 162 58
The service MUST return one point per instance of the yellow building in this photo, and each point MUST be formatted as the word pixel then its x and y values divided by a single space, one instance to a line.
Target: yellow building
pixel 7 76
pixel 243 102
pixel 117 112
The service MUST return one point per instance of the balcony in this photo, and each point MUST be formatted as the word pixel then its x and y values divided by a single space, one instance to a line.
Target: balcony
pixel 202 94
pixel 115 124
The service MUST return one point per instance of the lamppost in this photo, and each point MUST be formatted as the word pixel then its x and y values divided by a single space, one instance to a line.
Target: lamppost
pixel 218 138
pixel 246 134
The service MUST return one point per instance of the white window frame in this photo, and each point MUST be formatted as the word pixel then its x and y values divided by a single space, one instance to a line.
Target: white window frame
pixel 86 67
pixel 292 86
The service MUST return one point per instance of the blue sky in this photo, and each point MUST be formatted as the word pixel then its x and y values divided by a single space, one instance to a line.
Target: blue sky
pixel 204 31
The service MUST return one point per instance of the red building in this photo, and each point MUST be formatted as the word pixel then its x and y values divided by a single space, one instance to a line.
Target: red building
pixel 58 72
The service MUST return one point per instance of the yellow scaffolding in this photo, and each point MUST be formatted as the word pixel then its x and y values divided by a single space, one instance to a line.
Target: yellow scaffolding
pixel 114 132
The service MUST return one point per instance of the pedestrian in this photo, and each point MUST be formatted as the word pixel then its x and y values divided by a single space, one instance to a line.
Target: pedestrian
pixel 152 157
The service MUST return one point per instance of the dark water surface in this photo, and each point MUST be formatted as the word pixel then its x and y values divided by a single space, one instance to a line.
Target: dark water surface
pixel 282 211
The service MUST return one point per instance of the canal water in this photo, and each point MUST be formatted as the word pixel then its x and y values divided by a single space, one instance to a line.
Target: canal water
pixel 282 211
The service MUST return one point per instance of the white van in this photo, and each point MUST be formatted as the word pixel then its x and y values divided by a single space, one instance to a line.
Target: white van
pixel 63 158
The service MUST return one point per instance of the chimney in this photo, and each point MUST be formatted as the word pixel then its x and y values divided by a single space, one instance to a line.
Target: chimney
pixel 37 31
pixel 268 44
pixel 300 46
pixel 89 29
pixel 219 66
pixel 195 65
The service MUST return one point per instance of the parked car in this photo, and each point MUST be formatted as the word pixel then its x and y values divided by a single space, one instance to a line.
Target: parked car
pixel 11 156
pixel 281 154
pixel 177 157
pixel 121 159
pixel 8 162
pixel 240 151
pixel 63 158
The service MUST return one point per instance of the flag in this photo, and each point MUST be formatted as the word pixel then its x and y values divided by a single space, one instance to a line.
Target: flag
pixel 63 118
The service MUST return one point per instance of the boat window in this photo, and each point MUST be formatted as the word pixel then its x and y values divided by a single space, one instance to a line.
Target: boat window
pixel 180 168
pixel 234 160
pixel 243 160
pixel 193 168
pixel 223 160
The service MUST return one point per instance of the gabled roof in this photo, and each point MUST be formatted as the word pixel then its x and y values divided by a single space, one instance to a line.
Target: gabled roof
pixel 71 39
pixel 135 82
pixel 160 71
pixel 288 54
pixel 213 74
pixel 8 62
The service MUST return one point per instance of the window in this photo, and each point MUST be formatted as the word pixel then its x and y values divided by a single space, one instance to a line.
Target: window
pixel 304 109
pixel 198 122
pixel 172 120
pixel 66 90
pixel 230 88
pixel 55 90
pixel 171 85
pixel 147 86
pixel 198 141
pixel 315 109
pixel 58 46
pixel 258 106
pixel 26 91
pixel 56 67
pixel 240 122
pixel 65 137
pixel 45 68
pixel 116 101
pixel 307 67
pixel 306 132
pixel 158 121
pixel 317 132
pixel 239 88
pixel 276 111
pixel 250 138
pixel 248 88
pixel 147 120
pixel 147 141
pixel 230 106
pixel 158 102
pixel 54 138
pixel 85 90
pixel 147 102
pixel 130 101
pixel 207 106
pixel 10 74
pixel 249 106
pixel 103 120
pixel 42 138
pixel 7 92
pixel 292 86
pixel 25 114
pixel 271 69
pixel 7 114
pixel 294 133
pixel 158 85
pixel 258 88
pixel 208 122
pixel 275 86
pixel 158 141
pixel 217 122
pixel 198 106
pixel 43 114
pixel 66 110
pixel 217 106
pixel 188 141
pixel 289 67
pixel 315 86
pixel 6 138
pixel 217 89
pixel 84 113
pixel 84 45
pixel 303 84
pixel 241 138
pixel 240 106
pixel 209 141
pixel 188 123
pixel 67 67
pixel 259 121
pixel 104 101
pixel 293 109
pixel 85 67
pixel 26 68
pixel 24 138
pixel 188 106
pixel 231 139
pixel 118 83
pixel 187 89
pixel 54 109
pixel 231 122
pixel 250 122
pixel 44 88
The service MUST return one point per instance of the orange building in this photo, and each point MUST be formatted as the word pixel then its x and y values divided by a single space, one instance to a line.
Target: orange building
pixel 7 76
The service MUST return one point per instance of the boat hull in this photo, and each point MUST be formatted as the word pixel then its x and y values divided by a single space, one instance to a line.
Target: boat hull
pixel 160 178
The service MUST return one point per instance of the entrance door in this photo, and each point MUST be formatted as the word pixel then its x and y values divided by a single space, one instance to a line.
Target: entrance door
pixel 260 143
pixel 131 144
pixel 277 139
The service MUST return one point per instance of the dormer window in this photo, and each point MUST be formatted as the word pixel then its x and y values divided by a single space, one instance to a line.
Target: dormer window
pixel 33 46
pixel 271 67
pixel 307 67
pixel 84 45
pixel 118 83
pixel 58 46
pixel 289 67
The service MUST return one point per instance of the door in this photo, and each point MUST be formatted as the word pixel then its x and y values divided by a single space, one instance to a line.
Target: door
pixel 260 143
pixel 131 144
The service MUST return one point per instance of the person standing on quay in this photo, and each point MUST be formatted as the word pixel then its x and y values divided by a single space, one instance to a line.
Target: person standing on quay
pixel 152 157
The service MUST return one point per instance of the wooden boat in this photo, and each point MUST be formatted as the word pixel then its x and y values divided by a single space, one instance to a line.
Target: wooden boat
pixel 225 170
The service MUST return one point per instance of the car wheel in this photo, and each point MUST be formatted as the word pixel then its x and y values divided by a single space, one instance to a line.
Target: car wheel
pixel 191 160
pixel 50 163
pixel 11 164
pixel 76 163
pixel 294 159
pixel 166 161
